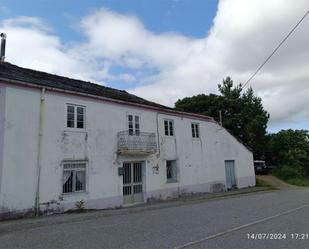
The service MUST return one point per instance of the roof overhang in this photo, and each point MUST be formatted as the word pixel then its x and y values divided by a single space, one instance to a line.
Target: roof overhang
pixel 17 83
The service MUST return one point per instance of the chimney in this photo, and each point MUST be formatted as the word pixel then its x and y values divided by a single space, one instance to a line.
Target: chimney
pixel 2 52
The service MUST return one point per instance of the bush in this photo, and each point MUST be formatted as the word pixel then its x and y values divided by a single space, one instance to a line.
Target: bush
pixel 287 172
pixel 292 175
pixel 299 182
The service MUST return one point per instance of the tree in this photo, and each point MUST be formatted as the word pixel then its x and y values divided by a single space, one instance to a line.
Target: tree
pixel 242 113
pixel 289 150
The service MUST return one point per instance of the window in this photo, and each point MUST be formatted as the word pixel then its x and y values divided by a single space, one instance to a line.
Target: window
pixel 133 125
pixel 195 130
pixel 74 177
pixel 75 116
pixel 171 170
pixel 70 116
pixel 168 127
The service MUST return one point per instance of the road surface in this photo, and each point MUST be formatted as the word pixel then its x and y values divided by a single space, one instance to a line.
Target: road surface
pixel 277 219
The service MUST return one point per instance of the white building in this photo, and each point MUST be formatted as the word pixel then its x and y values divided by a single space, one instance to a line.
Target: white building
pixel 65 140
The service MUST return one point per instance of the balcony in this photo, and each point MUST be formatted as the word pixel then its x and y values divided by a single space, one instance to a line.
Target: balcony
pixel 142 143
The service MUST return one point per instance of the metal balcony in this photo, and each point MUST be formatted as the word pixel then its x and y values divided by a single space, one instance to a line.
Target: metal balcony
pixel 136 144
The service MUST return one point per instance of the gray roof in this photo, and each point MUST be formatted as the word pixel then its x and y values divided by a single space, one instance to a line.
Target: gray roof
pixel 13 72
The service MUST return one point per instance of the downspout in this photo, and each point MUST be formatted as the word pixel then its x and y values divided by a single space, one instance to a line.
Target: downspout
pixel 158 137
pixel 39 157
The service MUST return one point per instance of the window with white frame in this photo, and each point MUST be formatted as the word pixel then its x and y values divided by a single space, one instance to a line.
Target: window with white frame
pixel 74 177
pixel 75 116
pixel 171 170
pixel 195 130
pixel 168 127
pixel 134 124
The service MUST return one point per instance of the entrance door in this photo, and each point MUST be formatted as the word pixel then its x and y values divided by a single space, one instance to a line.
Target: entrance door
pixel 230 174
pixel 132 182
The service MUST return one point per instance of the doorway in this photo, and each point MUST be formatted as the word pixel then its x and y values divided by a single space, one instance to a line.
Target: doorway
pixel 132 182
pixel 230 174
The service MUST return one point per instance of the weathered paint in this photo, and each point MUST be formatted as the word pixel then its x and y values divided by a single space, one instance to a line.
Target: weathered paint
pixel 2 122
pixel 20 150
pixel 200 161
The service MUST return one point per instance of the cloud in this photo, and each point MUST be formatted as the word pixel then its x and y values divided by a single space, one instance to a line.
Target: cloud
pixel 244 33
pixel 31 44
pixel 26 22
pixel 124 40
pixel 166 66
pixel 247 32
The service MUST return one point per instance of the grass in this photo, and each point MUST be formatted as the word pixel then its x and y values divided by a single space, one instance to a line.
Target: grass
pixel 264 184
pixel 298 182
pixel 291 176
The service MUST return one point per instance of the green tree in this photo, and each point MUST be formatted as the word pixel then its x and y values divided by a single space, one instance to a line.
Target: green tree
pixel 242 112
pixel 289 150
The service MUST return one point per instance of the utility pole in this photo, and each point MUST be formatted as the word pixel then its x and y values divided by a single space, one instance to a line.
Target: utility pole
pixel 220 117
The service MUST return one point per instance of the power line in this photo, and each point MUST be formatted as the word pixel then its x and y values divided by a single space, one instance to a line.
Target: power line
pixel 275 50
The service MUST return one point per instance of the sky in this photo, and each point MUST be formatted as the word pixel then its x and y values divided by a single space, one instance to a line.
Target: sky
pixel 164 50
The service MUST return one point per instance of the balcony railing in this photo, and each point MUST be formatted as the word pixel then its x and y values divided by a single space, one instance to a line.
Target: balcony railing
pixel 134 144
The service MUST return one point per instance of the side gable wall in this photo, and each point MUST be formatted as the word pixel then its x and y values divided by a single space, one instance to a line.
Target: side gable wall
pixel 20 150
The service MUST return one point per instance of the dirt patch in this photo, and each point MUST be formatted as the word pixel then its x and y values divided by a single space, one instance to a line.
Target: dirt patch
pixel 276 182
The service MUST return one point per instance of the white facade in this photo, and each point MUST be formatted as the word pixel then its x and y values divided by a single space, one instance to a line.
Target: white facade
pixel 200 162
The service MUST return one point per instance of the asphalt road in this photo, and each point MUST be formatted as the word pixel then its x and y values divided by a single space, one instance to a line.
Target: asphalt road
pixel 220 223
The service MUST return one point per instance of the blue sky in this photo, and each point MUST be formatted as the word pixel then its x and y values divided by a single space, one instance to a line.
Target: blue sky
pixel 164 50
pixel 192 18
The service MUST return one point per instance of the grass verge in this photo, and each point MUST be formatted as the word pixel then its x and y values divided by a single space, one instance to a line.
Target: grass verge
pixel 264 184
pixel 288 175
pixel 298 182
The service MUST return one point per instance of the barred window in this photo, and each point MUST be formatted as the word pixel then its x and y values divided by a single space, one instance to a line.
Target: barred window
pixel 74 177
pixel 168 127
pixel 195 130
pixel 75 116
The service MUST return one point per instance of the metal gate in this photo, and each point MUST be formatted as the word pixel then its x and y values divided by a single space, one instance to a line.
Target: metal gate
pixel 230 174
pixel 132 182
